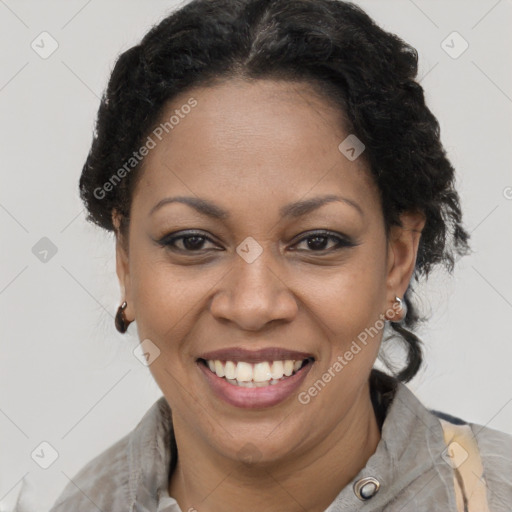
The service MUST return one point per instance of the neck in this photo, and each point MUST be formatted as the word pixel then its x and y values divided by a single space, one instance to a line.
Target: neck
pixel 203 481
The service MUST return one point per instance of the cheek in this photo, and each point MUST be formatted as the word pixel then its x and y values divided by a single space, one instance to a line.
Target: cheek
pixel 350 296
pixel 169 298
pixel 160 296
pixel 348 307
pixel 167 301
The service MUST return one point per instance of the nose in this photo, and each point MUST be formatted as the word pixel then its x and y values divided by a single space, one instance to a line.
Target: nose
pixel 254 294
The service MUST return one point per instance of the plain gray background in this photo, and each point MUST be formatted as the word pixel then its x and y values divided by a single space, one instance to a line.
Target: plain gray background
pixel 68 377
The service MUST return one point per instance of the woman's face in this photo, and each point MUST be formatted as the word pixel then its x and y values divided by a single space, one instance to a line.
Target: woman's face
pixel 271 270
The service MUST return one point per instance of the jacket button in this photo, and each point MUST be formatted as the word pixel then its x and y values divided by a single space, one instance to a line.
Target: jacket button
pixel 366 488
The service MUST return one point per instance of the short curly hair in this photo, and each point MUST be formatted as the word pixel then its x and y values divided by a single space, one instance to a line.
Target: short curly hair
pixel 368 73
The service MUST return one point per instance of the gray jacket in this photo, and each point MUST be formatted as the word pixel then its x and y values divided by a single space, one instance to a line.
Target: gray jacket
pixel 409 463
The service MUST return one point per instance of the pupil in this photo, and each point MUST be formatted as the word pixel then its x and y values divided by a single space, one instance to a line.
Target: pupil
pixel 194 245
pixel 316 245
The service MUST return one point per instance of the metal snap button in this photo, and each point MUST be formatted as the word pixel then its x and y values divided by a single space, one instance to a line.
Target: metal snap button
pixel 366 488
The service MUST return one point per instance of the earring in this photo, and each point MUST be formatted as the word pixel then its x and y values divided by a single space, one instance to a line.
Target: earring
pixel 402 306
pixel 121 322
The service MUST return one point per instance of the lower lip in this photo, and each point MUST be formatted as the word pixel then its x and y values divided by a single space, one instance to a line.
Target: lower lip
pixel 254 398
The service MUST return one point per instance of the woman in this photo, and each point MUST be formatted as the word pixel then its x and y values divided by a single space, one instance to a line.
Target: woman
pixel 276 185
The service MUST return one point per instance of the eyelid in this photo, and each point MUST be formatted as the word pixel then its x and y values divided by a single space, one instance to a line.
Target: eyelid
pixel 321 232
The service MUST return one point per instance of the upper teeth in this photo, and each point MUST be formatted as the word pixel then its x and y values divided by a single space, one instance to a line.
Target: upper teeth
pixel 259 372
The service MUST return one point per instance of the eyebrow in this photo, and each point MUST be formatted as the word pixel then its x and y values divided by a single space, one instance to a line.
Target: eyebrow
pixel 296 209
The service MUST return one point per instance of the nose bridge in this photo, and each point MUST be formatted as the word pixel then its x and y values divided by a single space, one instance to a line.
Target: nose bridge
pixel 255 280
pixel 253 294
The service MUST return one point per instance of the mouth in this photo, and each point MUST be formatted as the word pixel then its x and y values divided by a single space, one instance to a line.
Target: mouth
pixel 255 375
pixel 254 379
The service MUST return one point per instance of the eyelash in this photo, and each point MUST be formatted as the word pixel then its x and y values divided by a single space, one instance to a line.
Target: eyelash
pixel 342 241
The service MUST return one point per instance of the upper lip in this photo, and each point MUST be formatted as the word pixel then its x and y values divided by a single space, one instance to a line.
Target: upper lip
pixel 255 356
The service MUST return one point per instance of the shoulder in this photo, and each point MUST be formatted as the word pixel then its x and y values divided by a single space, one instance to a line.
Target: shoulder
pixel 102 482
pixel 483 458
pixel 495 449
pixel 111 480
pixel 495 452
pixel 491 443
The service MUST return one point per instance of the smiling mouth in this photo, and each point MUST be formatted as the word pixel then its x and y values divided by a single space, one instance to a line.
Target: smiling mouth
pixel 255 375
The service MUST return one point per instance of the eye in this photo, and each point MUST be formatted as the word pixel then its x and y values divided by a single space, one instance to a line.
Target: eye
pixel 193 241
pixel 318 241
pixel 185 242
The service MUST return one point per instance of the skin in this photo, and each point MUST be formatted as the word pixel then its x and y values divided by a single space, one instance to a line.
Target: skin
pixel 251 148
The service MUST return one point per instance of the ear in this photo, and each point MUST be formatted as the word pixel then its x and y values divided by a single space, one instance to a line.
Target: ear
pixel 402 251
pixel 122 265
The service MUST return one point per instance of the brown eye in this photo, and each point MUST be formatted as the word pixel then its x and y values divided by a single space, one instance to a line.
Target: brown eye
pixel 192 242
pixel 318 242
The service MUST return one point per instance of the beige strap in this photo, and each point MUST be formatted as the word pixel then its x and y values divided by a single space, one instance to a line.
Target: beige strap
pixel 463 456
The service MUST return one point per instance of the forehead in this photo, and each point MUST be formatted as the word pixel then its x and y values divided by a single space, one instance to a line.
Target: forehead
pixel 266 139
